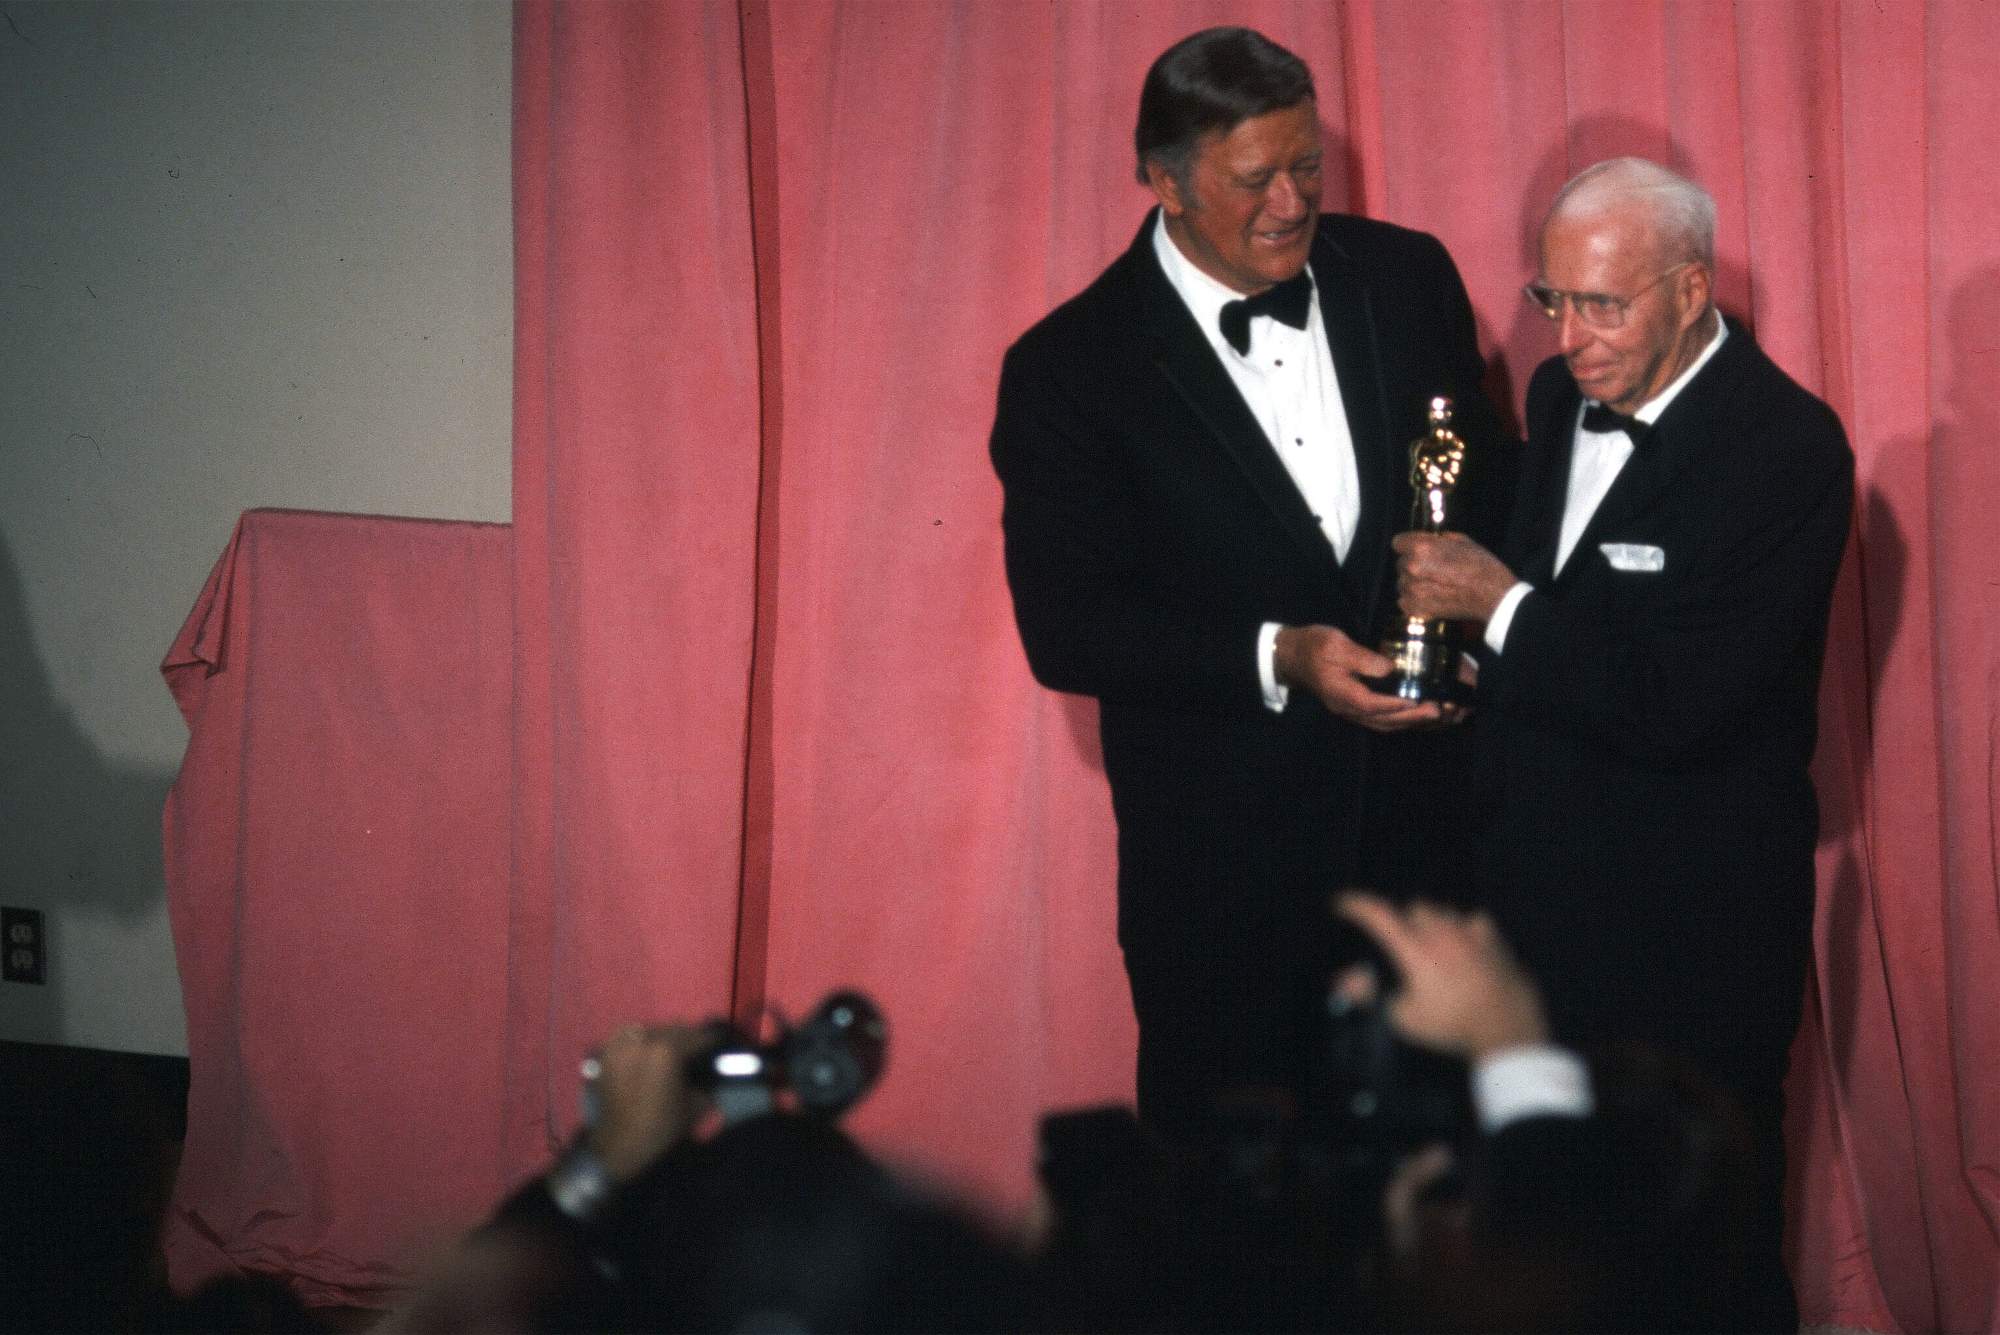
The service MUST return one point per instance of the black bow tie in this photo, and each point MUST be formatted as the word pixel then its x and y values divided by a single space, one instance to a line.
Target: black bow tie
pixel 1288 301
pixel 1597 417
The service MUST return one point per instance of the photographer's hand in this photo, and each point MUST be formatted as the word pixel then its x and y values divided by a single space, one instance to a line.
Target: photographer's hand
pixel 645 1106
pixel 1463 991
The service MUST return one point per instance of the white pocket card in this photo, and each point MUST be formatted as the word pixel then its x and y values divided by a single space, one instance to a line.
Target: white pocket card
pixel 1633 556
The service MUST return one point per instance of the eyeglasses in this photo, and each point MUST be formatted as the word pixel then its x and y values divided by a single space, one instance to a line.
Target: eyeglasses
pixel 1597 310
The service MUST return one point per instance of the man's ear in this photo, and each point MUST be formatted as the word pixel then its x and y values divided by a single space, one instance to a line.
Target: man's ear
pixel 1166 189
pixel 1696 288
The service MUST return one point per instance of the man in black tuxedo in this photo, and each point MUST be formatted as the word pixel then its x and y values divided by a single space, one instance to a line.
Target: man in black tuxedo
pixel 1654 630
pixel 1204 456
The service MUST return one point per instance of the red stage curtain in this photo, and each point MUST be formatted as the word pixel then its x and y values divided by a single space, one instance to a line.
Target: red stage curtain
pixel 637 459
pixel 774 732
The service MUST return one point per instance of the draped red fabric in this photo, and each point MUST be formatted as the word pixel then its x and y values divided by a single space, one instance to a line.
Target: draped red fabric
pixel 774 730
pixel 334 845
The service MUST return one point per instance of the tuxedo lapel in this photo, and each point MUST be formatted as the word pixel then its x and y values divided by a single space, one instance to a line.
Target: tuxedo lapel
pixel 1537 523
pixel 1347 309
pixel 1683 430
pixel 1645 475
pixel 1182 354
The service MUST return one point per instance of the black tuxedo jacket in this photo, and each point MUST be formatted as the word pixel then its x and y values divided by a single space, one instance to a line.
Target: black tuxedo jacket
pixel 1648 820
pixel 1151 530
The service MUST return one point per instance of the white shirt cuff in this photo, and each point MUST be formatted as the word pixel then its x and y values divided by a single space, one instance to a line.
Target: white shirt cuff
pixel 1535 1080
pixel 1503 615
pixel 1276 693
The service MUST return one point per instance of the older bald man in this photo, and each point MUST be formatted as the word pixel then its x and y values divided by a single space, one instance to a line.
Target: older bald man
pixel 1654 626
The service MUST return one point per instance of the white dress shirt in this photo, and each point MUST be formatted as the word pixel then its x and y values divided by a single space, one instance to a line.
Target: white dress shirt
pixel 1288 381
pixel 1596 458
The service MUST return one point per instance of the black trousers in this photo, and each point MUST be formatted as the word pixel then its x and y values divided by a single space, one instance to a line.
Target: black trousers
pixel 1223 1032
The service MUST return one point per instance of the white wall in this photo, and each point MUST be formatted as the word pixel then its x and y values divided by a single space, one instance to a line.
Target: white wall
pixel 250 254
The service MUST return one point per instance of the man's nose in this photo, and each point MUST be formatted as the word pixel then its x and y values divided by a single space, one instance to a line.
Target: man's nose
pixel 1571 332
pixel 1283 200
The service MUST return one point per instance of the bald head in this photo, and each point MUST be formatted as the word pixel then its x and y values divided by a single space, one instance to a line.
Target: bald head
pixel 1628 273
pixel 1679 214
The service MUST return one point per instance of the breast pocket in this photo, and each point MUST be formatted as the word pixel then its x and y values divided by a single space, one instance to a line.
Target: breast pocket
pixel 1634 558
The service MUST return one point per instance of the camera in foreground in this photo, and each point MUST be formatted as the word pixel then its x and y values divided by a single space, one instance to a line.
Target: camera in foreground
pixel 825 1064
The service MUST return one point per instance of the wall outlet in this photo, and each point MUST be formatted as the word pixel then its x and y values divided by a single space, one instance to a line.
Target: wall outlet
pixel 25 946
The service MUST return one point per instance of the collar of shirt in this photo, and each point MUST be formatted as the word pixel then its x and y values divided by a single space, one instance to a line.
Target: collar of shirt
pixel 1205 298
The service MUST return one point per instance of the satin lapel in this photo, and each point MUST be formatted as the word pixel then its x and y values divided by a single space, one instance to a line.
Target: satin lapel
pixel 1184 357
pixel 1680 434
pixel 1381 464
pixel 1536 529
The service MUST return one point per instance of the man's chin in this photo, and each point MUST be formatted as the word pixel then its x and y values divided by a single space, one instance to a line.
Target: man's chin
pixel 1284 265
pixel 1291 250
pixel 1601 389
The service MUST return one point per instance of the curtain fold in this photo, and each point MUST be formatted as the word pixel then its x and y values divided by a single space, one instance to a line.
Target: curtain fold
pixel 774 732
pixel 637 458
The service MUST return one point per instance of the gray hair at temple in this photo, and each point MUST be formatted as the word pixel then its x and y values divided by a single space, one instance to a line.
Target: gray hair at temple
pixel 1683 210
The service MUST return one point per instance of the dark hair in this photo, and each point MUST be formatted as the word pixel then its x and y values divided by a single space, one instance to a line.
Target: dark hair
pixel 1214 80
pixel 781 1222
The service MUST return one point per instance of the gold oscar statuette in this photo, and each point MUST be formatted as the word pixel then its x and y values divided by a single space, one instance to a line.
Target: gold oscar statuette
pixel 1425 654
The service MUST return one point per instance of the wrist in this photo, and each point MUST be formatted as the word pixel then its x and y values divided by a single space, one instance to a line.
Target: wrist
pixel 579 1182
pixel 1284 647
pixel 1496 592
pixel 1523 1028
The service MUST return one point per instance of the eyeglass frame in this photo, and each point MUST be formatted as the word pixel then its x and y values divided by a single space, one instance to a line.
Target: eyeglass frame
pixel 1616 307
